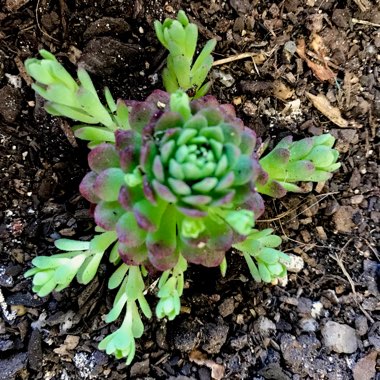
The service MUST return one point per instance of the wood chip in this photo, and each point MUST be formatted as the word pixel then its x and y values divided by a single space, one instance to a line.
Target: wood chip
pixel 217 370
pixel 321 232
pixel 320 70
pixel 365 368
pixel 322 104
pixel 281 90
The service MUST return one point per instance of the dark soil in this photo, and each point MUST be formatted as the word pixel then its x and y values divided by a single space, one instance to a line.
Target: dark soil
pixel 232 325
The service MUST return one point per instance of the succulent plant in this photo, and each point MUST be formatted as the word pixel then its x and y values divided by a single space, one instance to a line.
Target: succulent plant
pixel 181 180
pixel 310 159
pixel 180 38
pixel 173 181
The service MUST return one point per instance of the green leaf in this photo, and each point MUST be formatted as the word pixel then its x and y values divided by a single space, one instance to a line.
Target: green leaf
pixel 42 277
pixel 72 245
pixel 264 272
pixel 206 51
pixel 89 268
pixel 144 306
pixel 182 71
pixel 86 81
pixel 252 267
pixel 90 103
pixel 49 262
pixel 177 34
pixel 182 18
pixel 199 76
pixel 118 276
pixel 271 241
pixel 223 267
pixel 159 33
pixel 56 109
pixel 117 308
pixel 137 325
pixel 180 102
pixel 122 115
pixel 110 100
pixel 45 289
pixel 99 243
pixel 94 133
pixel 268 256
pixel 135 284
pixel 114 257
pixel 65 273
pixel 203 90
pixel 191 37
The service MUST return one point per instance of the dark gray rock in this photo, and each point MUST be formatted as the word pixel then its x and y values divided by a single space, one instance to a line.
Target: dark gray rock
pixel 106 56
pixel 215 336
pixel 9 368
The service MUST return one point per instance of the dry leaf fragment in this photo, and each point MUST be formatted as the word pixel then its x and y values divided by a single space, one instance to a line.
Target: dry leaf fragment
pixel 281 90
pixel 69 344
pixel 217 370
pixel 365 368
pixel 321 103
pixel 322 72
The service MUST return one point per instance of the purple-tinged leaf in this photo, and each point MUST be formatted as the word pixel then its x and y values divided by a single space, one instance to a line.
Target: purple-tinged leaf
pixel 179 187
pixel 197 122
pixel 163 263
pixel 194 213
pixel 197 200
pixel 254 203
pixel 202 255
pixel 243 170
pixel 148 216
pixel 164 192
pixel 141 114
pixel 248 141
pixel 167 151
pixel 149 191
pixel 86 187
pixel 169 120
pixel 148 152
pixel 285 143
pixel 102 157
pixel 205 185
pixel 108 183
pixel 128 196
pixel 159 98
pixel 162 243
pixel 128 232
pixel 158 169
pixel 224 199
pixel 228 109
pixel 133 255
pixel 207 101
pixel 107 214
pixel 225 182
pixel 272 188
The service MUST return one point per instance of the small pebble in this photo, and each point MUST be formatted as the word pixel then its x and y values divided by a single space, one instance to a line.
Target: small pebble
pixel 361 325
pixel 340 338
pixel 295 264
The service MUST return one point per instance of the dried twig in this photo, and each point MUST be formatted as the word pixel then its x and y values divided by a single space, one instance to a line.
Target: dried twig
pixel 235 58
pixel 39 25
pixel 338 259
pixel 364 22
pixel 300 204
